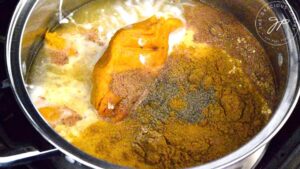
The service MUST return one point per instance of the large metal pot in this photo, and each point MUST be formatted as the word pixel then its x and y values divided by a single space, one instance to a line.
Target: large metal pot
pixel 33 17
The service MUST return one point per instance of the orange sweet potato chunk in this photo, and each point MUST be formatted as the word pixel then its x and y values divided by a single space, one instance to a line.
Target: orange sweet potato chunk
pixel 60 115
pixel 58 49
pixel 143 45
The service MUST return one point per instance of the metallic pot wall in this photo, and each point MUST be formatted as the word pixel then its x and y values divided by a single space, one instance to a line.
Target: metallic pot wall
pixel 32 18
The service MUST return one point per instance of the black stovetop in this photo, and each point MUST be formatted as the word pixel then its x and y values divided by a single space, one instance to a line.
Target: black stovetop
pixel 17 134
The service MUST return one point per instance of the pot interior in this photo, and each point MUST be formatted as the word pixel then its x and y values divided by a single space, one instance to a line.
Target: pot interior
pixel 45 14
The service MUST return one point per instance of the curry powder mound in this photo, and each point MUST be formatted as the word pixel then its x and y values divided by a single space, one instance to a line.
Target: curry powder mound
pixel 201 107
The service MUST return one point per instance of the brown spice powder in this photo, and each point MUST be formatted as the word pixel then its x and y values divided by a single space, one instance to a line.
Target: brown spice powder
pixel 164 132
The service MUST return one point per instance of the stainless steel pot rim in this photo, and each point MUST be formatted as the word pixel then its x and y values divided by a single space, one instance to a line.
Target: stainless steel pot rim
pixel 13 60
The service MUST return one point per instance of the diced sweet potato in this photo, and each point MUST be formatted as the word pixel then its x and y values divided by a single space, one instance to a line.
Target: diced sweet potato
pixel 58 49
pixel 59 115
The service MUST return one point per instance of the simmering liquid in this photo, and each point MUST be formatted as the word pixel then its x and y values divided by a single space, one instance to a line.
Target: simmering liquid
pixel 153 83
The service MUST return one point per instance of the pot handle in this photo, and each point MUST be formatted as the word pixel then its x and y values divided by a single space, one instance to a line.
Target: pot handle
pixel 26 157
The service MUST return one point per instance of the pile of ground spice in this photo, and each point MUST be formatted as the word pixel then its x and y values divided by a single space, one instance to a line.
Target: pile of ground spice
pixel 173 94
pixel 200 107
pixel 226 112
